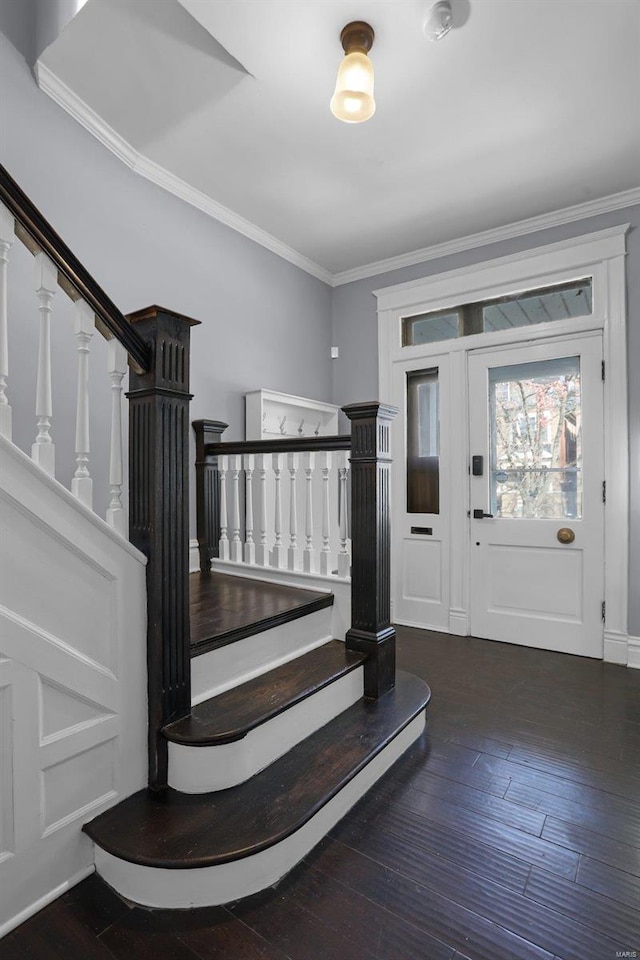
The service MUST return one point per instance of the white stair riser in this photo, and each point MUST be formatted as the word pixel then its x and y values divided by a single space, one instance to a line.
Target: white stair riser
pixel 203 769
pixel 223 883
pixel 235 663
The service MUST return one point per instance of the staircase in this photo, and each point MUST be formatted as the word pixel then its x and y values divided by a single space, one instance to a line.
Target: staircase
pixel 258 773
pixel 267 718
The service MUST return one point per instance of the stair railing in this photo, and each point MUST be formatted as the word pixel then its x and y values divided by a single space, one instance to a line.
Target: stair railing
pixel 154 344
pixel 285 504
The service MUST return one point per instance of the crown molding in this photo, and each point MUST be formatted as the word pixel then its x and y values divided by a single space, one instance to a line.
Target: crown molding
pixel 50 84
pixel 55 88
pixel 580 211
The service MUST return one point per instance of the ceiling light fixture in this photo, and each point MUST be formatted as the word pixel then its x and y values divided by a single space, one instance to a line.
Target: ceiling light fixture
pixel 352 100
pixel 439 21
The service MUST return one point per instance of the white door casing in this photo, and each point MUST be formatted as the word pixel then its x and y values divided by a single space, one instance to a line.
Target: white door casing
pixel 599 255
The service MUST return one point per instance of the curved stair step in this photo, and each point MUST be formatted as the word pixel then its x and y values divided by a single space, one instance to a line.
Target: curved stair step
pixel 181 850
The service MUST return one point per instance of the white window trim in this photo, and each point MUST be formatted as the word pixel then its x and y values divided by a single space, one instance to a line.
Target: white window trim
pixel 600 255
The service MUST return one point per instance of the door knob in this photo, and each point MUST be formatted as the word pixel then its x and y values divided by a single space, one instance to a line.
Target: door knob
pixel 480 515
pixel 565 535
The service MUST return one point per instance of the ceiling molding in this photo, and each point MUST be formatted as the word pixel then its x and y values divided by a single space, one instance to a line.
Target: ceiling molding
pixel 580 211
pixel 55 88
pixel 50 84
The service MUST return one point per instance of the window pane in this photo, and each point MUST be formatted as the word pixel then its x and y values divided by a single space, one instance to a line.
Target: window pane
pixel 536 443
pixel 423 442
pixel 430 327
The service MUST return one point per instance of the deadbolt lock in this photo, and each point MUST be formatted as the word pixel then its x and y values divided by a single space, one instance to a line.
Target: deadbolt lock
pixel 566 535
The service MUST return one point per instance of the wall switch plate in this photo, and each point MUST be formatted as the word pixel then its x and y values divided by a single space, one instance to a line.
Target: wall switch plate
pixel 334 353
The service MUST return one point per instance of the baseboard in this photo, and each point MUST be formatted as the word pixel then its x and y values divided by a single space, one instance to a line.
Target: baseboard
pixel 44 901
pixel 633 658
pixel 617 648
pixel 194 556
pixel 458 622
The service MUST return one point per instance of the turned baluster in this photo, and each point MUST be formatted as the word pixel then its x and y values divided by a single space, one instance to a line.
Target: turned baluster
pixel 249 545
pixel 6 240
pixel 262 549
pixel 236 542
pixel 116 368
pixel 293 554
pixel 84 327
pixel 344 561
pixel 325 552
pixel 278 555
pixel 308 564
pixel 224 522
pixel 43 450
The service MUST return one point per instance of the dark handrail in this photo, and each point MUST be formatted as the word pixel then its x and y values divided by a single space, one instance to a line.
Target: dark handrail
pixel 46 239
pixel 285 445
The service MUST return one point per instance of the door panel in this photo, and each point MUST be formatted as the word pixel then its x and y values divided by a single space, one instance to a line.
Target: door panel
pixel 536 416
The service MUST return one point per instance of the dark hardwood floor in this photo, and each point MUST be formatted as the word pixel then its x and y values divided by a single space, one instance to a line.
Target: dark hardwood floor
pixel 510 831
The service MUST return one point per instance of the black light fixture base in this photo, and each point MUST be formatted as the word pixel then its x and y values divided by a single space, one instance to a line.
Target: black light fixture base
pixel 357 35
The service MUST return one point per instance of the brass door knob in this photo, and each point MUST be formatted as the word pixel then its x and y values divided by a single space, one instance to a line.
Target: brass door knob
pixel 565 535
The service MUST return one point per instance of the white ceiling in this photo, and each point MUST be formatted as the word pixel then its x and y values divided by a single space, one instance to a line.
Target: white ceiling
pixel 526 107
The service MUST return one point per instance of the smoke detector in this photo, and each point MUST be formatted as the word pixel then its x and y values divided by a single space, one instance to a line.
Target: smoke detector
pixel 439 21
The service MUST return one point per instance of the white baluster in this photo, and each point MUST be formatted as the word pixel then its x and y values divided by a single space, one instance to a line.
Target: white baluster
pixel 293 554
pixel 308 564
pixel 249 545
pixel 6 239
pixel 223 467
pixel 116 368
pixel 344 560
pixel 43 450
pixel 84 327
pixel 236 543
pixel 278 557
pixel 262 549
pixel 325 553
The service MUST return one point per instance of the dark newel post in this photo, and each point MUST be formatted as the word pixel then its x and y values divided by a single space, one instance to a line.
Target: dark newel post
pixel 371 631
pixel 207 490
pixel 159 516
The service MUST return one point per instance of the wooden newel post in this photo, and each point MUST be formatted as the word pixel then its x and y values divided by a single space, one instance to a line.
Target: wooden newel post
pixel 207 490
pixel 159 516
pixel 371 631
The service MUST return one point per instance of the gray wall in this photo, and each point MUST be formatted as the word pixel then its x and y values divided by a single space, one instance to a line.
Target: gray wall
pixel 355 332
pixel 265 323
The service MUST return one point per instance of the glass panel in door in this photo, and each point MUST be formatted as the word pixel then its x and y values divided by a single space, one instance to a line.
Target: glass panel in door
pixel 423 442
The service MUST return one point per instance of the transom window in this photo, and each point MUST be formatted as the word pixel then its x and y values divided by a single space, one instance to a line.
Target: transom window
pixel 545 305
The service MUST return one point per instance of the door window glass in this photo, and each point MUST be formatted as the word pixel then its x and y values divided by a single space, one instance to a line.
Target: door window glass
pixel 423 442
pixel 536 442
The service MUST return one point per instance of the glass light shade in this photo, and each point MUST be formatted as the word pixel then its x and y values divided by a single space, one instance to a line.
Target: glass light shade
pixel 352 100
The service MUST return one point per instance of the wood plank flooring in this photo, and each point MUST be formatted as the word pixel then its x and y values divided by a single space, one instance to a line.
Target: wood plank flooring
pixel 510 831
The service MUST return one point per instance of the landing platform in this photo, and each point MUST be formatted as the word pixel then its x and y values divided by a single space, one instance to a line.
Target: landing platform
pixel 224 608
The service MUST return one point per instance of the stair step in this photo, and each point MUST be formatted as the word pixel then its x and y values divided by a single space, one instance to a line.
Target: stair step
pixel 238 841
pixel 231 715
pixel 224 608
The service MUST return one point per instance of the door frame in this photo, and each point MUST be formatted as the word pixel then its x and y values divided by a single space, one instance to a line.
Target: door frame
pixel 600 255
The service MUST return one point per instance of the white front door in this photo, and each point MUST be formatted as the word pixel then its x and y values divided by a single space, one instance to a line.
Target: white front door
pixel 536 436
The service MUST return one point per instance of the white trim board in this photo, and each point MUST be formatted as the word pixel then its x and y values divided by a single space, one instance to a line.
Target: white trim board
pixel 600 255
pixel 55 88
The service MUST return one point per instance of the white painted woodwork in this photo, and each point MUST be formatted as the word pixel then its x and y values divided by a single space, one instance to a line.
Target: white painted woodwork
pixel 6 241
pixel 43 450
pixel 249 545
pixel 84 328
pixel 207 886
pixel 262 548
pixel 293 553
pixel 269 414
pixel 235 465
pixel 203 769
pixel 344 559
pixel 526 587
pixel 600 255
pixel 219 670
pixel 116 368
pixel 308 554
pixel 73 663
pixel 278 554
pixel 325 551
pixel 223 467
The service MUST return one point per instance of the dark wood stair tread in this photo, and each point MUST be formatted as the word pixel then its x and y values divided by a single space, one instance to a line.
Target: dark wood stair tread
pixel 231 715
pixel 177 830
pixel 224 608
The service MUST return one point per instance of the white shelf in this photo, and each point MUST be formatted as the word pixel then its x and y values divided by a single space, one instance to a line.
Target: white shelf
pixel 272 414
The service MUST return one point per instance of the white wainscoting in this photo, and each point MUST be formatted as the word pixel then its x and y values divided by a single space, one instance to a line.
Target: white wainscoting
pixel 73 702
